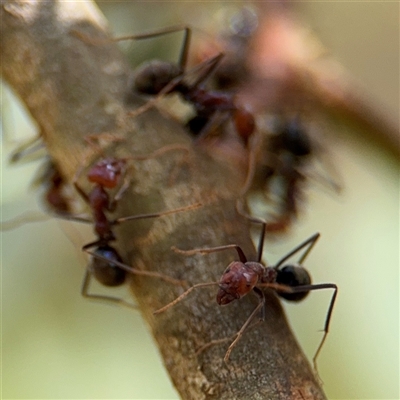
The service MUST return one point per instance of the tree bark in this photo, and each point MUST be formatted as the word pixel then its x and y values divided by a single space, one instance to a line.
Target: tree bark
pixel 72 89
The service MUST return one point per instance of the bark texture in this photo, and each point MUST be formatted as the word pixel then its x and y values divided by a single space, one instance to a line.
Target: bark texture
pixel 72 89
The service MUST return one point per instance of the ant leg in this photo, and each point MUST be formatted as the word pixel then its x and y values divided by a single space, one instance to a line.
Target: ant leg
pixel 208 250
pixel 132 270
pixel 209 66
pixel 80 191
pixel 216 120
pixel 113 204
pixel 28 148
pixel 254 146
pixel 165 31
pixel 24 218
pixel 260 247
pixel 182 296
pixel 156 215
pixel 307 288
pixel 310 242
pixel 220 341
pixel 261 305
pixel 115 300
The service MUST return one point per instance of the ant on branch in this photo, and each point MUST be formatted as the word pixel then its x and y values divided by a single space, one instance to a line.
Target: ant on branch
pixel 290 281
pixel 160 78
pixel 209 105
pixel 56 196
pixel 106 264
pixel 284 160
pixel 290 148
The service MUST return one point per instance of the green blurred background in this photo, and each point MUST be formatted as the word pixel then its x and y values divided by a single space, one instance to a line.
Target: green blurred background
pixel 57 345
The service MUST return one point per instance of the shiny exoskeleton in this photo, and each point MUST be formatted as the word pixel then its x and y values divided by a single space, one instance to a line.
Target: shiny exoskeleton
pixel 159 78
pixel 290 281
pixel 106 264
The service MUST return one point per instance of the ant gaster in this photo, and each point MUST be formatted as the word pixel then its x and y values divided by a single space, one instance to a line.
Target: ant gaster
pixel 290 281
pixel 106 264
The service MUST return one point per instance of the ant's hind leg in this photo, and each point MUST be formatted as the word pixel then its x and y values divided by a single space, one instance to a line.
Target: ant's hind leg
pixel 110 299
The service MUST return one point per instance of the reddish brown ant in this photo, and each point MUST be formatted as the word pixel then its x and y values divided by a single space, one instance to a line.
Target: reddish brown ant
pixel 290 281
pixel 161 78
pixel 106 264
pixel 284 160
pixel 56 198
pixel 290 149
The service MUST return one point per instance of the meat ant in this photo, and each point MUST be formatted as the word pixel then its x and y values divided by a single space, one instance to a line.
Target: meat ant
pixel 161 78
pixel 283 159
pixel 56 198
pixel 290 149
pixel 290 281
pixel 106 264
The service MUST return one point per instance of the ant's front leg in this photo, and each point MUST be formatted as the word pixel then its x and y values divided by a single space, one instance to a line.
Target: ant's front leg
pixel 208 250
pixel 309 244
pixel 113 203
pixel 78 188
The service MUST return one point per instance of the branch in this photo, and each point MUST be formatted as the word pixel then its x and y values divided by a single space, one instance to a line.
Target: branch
pixel 73 89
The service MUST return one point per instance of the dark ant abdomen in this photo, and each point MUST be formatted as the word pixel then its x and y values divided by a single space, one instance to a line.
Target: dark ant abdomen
pixel 292 275
pixel 106 272
pixel 151 77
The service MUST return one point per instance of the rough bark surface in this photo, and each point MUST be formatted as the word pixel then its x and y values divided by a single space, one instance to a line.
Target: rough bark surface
pixel 72 89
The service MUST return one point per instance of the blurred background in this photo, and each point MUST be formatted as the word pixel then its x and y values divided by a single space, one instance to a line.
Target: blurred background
pixel 55 344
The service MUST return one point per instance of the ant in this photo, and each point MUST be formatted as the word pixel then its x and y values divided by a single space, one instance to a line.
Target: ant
pixel 106 264
pixel 290 281
pixel 50 176
pixel 160 78
pixel 56 198
pixel 290 150
pixel 286 155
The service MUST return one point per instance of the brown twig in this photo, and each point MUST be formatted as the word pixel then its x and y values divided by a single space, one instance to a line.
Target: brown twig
pixel 73 89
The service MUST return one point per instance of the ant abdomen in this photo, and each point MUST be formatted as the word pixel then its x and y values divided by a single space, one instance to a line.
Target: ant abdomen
pixel 151 77
pixel 106 272
pixel 292 276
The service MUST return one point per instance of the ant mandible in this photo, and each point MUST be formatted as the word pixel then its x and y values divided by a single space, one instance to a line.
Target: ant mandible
pixel 290 281
pixel 161 78
pixel 106 264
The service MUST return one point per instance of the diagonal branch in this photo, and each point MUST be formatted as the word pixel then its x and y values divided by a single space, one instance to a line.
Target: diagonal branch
pixel 74 89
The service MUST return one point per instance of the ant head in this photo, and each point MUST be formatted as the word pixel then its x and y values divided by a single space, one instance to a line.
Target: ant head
pixel 294 138
pixel 292 276
pixel 151 77
pixel 106 272
pixel 237 280
pixel 107 172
